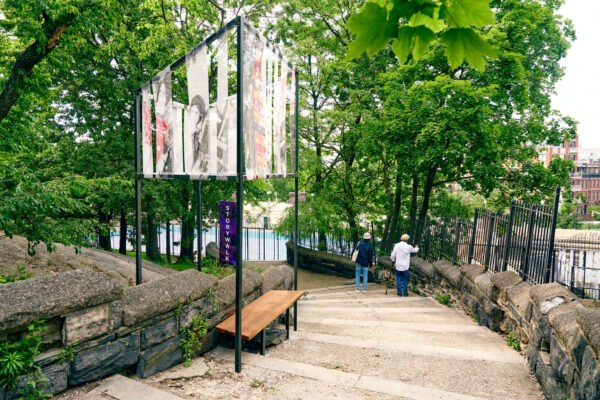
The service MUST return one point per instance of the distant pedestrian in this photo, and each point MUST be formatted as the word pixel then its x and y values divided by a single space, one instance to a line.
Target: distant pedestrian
pixel 195 258
pixel 363 261
pixel 401 258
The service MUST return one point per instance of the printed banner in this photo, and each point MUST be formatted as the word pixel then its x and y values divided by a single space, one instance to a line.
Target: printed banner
pixel 161 86
pixel 197 140
pixel 248 100
pixel 177 152
pixel 292 123
pixel 228 232
pixel 260 145
pixel 281 112
pixel 147 167
pixel 268 114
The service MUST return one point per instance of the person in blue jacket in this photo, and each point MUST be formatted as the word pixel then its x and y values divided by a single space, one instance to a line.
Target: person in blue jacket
pixel 363 261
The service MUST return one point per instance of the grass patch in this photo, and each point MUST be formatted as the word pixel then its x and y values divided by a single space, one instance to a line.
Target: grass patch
pixel 443 299
pixel 513 342
pixel 209 266
pixel 256 383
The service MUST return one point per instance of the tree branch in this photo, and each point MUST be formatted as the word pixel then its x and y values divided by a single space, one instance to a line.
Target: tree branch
pixel 29 58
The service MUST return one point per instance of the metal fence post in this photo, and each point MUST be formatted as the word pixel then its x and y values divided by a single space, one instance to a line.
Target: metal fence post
pixel 443 238
pixel 525 268
pixel 550 273
pixel 239 197
pixel 473 236
pixel 488 248
pixel 511 220
pixel 138 194
pixel 457 240
pixel 427 238
pixel 168 246
pixel 572 273
pixel 199 222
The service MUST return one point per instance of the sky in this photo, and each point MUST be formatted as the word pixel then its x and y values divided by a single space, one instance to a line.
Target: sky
pixel 579 90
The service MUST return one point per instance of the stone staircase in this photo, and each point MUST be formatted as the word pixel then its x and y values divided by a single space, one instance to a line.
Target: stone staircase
pixel 398 347
pixel 354 346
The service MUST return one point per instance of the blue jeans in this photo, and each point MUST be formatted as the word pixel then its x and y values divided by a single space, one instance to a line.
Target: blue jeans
pixel 365 272
pixel 402 282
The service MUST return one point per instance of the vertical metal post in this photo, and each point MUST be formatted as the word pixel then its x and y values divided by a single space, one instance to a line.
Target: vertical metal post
pixel 473 236
pixel 296 211
pixel 488 249
pixel 584 269
pixel 199 222
pixel 443 238
pixel 511 220
pixel 264 244
pixel 525 268
pixel 374 250
pixel 457 240
pixel 572 273
pixel 168 246
pixel 240 197
pixel 550 265
pixel 138 196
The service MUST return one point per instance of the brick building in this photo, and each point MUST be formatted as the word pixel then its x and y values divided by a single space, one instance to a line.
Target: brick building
pixel 585 178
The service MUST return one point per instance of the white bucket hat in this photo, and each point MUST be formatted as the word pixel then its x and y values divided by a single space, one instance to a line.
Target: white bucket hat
pixel 367 236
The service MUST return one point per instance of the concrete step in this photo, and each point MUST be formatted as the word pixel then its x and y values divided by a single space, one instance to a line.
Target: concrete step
pixel 433 367
pixel 345 379
pixel 120 387
pixel 462 350
pixel 359 299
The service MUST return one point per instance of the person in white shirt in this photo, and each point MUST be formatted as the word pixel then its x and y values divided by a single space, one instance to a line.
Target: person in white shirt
pixel 401 258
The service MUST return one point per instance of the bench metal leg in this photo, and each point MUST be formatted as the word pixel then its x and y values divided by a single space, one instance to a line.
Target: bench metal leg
pixel 287 323
pixel 263 341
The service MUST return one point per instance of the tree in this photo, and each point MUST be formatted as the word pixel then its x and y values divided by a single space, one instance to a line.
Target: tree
pixel 411 25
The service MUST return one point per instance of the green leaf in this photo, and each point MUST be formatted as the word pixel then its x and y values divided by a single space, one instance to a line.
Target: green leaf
pixel 466 44
pixel 374 26
pixel 432 22
pixel 464 13
pixel 373 30
pixel 412 38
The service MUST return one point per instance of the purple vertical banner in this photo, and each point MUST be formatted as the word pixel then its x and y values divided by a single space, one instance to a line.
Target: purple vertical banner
pixel 228 232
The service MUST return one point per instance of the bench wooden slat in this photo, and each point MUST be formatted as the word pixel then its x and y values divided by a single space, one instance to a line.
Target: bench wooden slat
pixel 258 314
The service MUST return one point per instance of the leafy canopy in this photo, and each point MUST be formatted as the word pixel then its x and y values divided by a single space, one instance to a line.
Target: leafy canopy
pixel 412 25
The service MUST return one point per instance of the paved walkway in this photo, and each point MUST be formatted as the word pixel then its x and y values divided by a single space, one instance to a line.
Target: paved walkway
pixel 355 346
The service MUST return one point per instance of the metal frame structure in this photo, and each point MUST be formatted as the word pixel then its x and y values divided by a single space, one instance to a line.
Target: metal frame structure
pixel 239 178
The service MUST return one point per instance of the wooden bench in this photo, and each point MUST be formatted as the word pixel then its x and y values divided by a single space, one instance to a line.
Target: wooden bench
pixel 260 313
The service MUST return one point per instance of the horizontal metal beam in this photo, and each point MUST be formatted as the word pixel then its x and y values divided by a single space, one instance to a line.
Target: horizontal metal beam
pixel 192 177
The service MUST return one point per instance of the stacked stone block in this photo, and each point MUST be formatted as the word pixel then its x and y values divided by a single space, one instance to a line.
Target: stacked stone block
pixel 561 335
pixel 107 328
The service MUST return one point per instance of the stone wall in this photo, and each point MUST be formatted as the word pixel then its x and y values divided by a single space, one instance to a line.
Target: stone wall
pixel 109 328
pixel 560 335
pixel 326 263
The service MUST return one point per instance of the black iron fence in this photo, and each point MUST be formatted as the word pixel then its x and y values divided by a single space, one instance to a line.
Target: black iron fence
pixel 577 263
pixel 260 244
pixel 520 241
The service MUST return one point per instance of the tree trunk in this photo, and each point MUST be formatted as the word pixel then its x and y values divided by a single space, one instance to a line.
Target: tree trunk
pixel 396 213
pixel 104 232
pixel 425 204
pixel 187 240
pixel 353 227
pixel 186 246
pixel 123 236
pixel 413 204
pixel 29 58
pixel 152 239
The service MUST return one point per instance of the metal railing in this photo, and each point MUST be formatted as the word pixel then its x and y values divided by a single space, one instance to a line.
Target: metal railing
pixel 577 264
pixel 521 241
pixel 260 244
